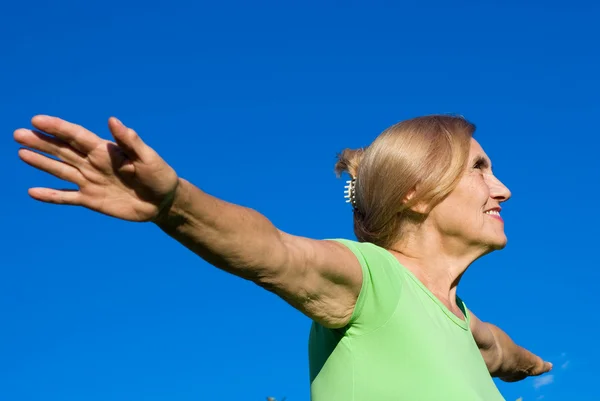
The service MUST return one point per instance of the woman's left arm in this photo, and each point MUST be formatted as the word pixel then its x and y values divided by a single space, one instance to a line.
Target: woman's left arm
pixel 505 359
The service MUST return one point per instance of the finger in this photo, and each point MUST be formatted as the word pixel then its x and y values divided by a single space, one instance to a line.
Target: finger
pixel 546 367
pixel 58 197
pixel 541 368
pixel 75 135
pixel 51 166
pixel 128 140
pixel 48 144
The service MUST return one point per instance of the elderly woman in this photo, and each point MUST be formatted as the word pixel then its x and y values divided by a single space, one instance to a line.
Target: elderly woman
pixel 388 324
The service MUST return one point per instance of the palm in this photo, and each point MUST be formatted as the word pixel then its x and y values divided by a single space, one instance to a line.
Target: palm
pixel 126 179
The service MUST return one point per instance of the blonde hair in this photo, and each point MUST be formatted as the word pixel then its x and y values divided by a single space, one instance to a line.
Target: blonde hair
pixel 414 161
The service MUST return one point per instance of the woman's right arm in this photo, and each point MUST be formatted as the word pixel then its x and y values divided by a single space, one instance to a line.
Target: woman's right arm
pixel 322 279
pixel 127 179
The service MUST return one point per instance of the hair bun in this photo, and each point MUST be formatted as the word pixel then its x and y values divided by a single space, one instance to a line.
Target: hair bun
pixel 348 161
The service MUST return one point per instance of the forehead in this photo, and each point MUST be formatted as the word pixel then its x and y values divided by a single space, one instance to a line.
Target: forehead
pixel 476 150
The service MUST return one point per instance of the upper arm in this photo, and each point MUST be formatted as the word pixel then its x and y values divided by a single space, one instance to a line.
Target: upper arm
pixel 486 340
pixel 481 332
pixel 320 278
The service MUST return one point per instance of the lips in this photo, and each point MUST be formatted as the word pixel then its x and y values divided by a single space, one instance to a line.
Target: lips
pixel 494 212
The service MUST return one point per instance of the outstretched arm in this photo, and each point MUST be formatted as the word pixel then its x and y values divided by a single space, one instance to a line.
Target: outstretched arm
pixel 128 180
pixel 320 278
pixel 505 359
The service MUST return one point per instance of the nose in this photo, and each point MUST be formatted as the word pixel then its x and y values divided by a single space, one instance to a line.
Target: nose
pixel 498 190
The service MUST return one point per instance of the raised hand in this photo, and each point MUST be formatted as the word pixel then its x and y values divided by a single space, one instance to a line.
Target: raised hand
pixel 125 179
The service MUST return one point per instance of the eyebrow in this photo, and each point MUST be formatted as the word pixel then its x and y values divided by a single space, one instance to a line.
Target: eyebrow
pixel 484 161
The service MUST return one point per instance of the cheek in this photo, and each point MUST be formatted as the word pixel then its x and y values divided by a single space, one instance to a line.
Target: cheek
pixel 479 190
pixel 465 217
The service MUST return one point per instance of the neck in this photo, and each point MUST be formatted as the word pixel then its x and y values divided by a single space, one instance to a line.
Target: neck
pixel 439 263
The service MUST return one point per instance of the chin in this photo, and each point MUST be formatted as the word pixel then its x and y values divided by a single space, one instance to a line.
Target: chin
pixel 498 244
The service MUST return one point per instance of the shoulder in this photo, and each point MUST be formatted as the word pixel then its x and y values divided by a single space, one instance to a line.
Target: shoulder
pixel 381 284
pixel 367 253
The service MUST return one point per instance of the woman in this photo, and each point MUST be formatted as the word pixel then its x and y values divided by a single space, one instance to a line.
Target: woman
pixel 387 322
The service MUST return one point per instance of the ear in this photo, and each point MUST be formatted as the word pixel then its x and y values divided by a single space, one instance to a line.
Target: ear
pixel 419 207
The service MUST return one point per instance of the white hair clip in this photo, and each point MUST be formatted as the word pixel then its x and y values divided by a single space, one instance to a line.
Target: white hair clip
pixel 350 192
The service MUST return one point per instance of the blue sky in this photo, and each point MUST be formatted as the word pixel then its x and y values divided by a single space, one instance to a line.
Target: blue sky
pixel 251 102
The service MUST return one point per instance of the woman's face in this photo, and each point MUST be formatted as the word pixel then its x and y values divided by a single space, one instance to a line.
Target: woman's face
pixel 471 213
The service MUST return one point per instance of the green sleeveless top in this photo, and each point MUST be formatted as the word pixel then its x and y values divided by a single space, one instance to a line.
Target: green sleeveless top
pixel 401 344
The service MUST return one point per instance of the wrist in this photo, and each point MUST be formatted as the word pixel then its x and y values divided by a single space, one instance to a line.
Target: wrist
pixel 171 207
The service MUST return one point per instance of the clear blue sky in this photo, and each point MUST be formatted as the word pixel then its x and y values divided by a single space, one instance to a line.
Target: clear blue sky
pixel 251 103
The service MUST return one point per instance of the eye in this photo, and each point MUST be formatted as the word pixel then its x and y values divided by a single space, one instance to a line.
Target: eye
pixel 479 164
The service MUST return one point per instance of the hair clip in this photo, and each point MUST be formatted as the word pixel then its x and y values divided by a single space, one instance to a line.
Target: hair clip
pixel 350 192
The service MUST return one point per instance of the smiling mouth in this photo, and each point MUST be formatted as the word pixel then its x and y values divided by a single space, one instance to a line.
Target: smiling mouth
pixel 495 214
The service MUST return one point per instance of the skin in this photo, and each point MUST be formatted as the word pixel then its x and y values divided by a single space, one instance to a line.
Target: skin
pixel 128 180
pixel 457 232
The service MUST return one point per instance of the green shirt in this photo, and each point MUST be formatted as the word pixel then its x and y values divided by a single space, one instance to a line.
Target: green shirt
pixel 402 343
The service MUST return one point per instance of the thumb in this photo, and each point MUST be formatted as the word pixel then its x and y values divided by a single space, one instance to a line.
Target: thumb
pixel 127 139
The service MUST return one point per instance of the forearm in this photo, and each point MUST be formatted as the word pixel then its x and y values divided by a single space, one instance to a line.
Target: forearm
pixel 510 359
pixel 236 239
